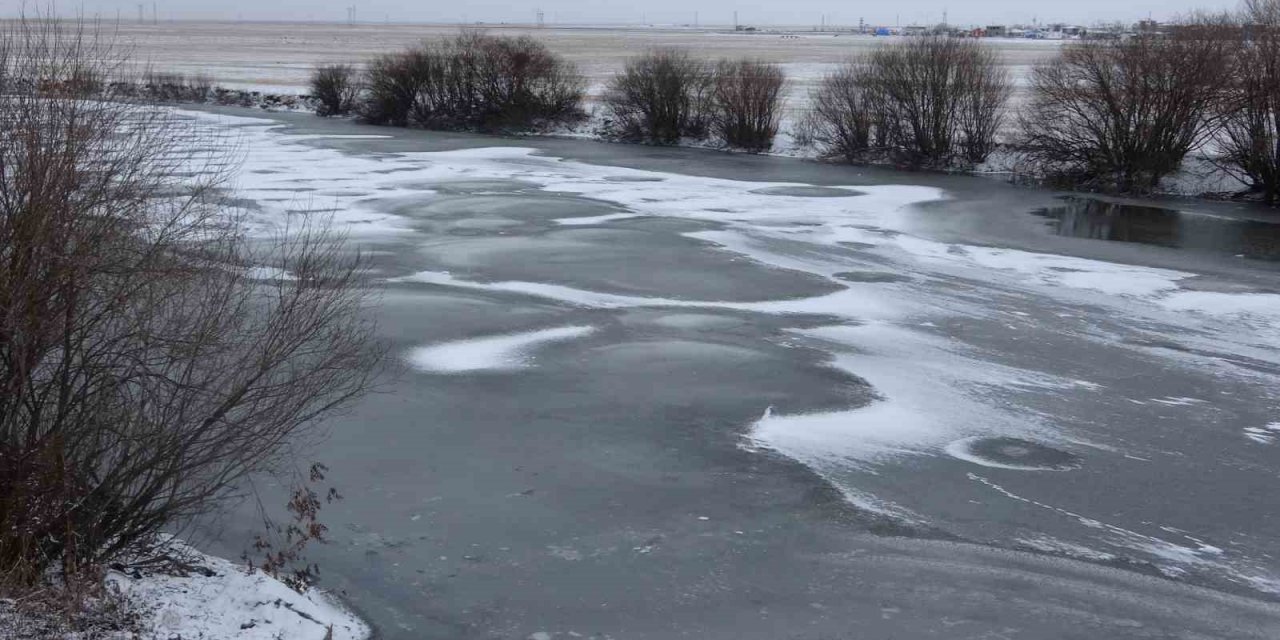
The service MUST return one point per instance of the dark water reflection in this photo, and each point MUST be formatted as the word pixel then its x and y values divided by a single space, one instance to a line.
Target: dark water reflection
pixel 1099 220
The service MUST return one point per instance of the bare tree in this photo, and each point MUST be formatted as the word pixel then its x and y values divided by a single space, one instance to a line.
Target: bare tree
pixel 336 88
pixel 747 103
pixel 392 83
pixel 661 96
pixel 148 364
pixel 473 81
pixel 846 113
pixel 1124 113
pixel 1248 142
pixel 984 87
pixel 930 101
pixel 520 82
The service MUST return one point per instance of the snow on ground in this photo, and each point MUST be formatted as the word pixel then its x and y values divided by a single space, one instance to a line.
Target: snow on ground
pixel 234 603
pixel 495 353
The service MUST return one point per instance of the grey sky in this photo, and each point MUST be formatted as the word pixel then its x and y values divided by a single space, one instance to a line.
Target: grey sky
pixel 658 11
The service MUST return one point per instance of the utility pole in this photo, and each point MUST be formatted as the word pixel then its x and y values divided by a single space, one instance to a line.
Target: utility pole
pixel 541 19
pixel 735 20
pixel 142 19
pixel 155 14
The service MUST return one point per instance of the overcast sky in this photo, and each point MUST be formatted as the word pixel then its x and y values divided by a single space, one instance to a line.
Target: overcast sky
pixel 656 11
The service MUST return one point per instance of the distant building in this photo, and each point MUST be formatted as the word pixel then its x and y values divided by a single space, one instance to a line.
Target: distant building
pixel 997 31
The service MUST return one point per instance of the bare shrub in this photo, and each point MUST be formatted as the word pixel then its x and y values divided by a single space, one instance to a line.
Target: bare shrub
pixel 145 369
pixel 175 87
pixel 1248 141
pixel 845 113
pixel 747 103
pixel 473 81
pixel 1122 114
pixel 519 81
pixel 929 101
pixel 336 88
pixel 391 89
pixel 943 98
pixel 660 97
pixel 984 89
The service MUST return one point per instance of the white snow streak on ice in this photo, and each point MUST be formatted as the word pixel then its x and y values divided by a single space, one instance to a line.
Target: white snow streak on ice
pixel 1263 435
pixel 931 392
pixel 495 353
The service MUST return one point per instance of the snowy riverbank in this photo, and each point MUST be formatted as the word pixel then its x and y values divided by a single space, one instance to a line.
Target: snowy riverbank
pixel 228 600
pixel 215 599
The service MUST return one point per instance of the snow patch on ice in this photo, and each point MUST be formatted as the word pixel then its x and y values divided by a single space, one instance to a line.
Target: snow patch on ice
pixel 1218 303
pixel 847 303
pixel 850 437
pixel 495 353
pixel 1177 401
pixel 1263 435
pixel 594 220
pixel 930 393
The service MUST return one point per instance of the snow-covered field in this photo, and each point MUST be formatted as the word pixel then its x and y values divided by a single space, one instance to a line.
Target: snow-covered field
pixel 278 57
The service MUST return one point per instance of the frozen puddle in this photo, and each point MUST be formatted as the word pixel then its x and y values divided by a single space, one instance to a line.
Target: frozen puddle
pixel 496 353
pixel 1013 453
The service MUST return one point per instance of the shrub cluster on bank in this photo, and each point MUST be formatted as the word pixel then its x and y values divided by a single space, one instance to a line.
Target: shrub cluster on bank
pixel 666 95
pixel 1123 115
pixel 926 102
pixel 471 81
pixel 1116 115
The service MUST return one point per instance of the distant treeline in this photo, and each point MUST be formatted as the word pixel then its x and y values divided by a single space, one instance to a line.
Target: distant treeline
pixel 1101 114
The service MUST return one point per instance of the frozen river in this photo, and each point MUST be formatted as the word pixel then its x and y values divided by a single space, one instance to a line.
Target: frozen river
pixel 662 393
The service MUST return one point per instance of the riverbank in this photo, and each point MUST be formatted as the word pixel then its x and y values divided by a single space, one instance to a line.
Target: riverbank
pixel 198 597
pixel 1198 179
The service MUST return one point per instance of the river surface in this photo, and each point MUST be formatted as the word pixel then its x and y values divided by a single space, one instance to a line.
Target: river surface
pixel 664 393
